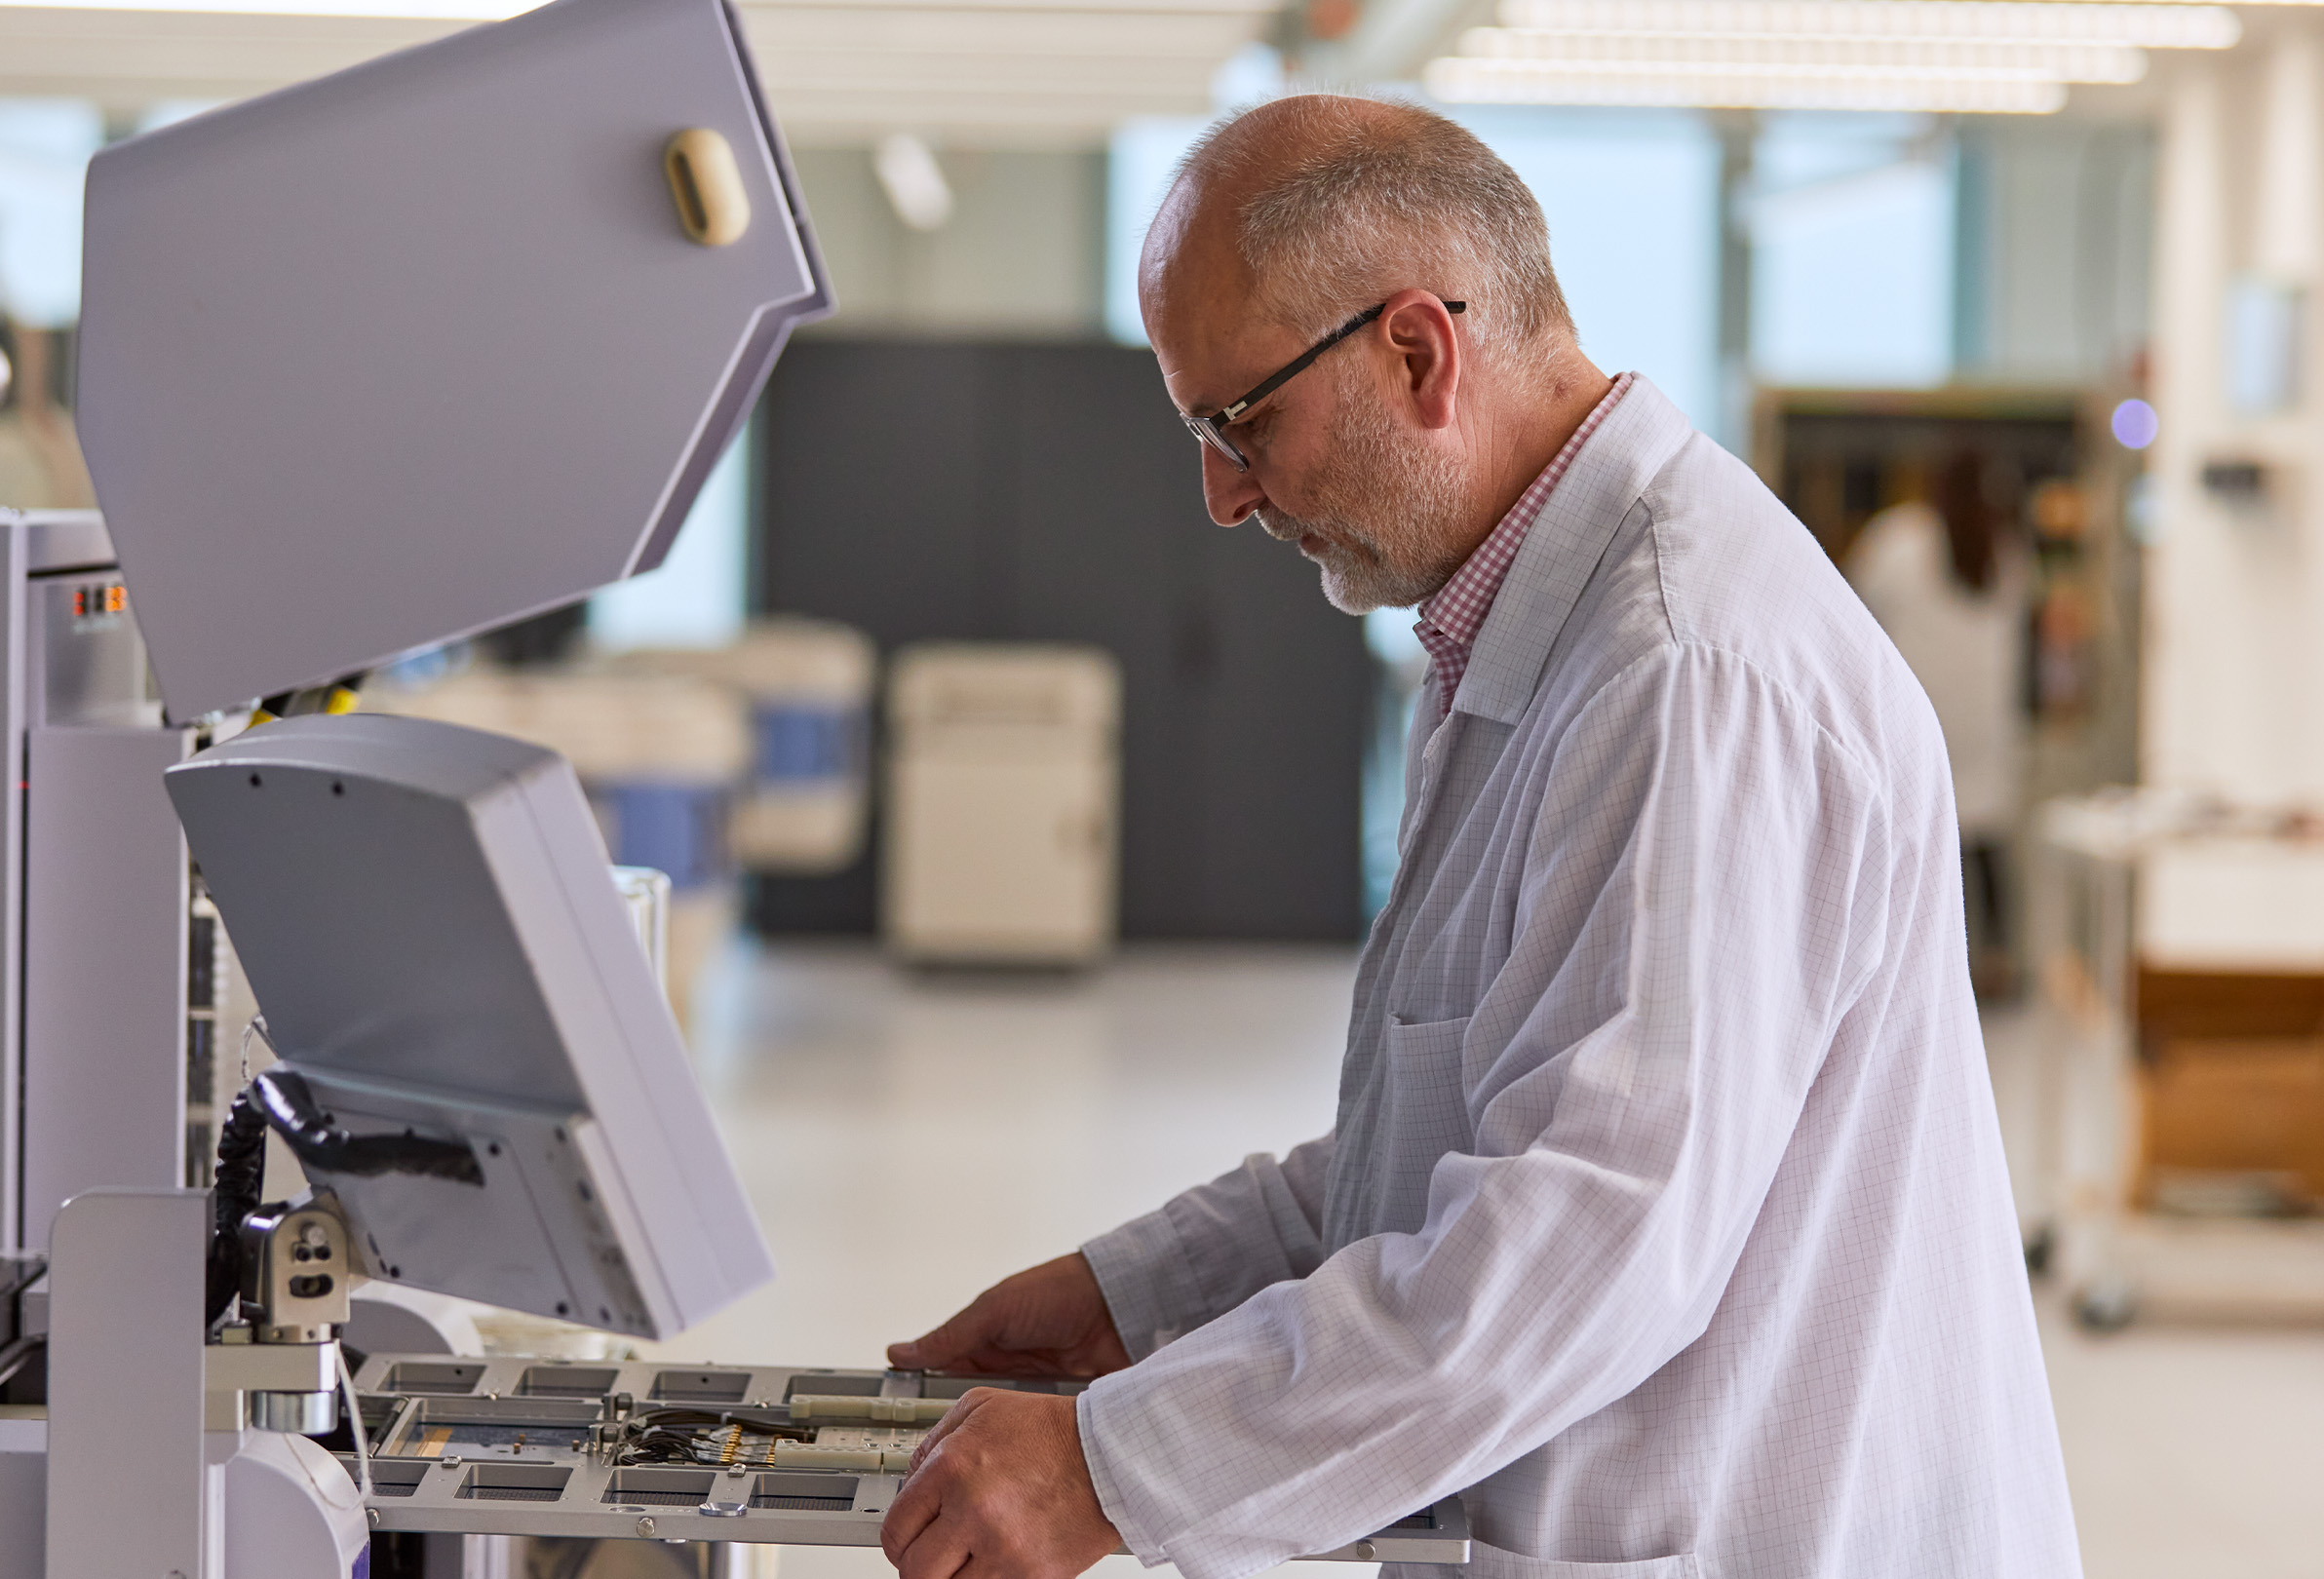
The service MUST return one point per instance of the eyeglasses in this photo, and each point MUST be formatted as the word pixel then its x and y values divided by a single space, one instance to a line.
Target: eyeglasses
pixel 1212 429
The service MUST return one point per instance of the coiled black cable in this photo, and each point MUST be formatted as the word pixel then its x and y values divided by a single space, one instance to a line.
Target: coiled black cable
pixel 280 1100
pixel 234 1196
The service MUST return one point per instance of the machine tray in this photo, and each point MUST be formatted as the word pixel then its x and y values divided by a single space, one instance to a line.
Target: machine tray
pixel 647 1450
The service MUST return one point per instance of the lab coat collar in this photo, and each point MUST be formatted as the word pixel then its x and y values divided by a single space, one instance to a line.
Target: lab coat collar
pixel 1561 550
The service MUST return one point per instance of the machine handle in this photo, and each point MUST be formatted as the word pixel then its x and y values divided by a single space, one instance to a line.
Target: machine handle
pixel 708 186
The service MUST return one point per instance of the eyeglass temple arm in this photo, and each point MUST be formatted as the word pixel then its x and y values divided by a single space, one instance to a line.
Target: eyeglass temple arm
pixel 1303 362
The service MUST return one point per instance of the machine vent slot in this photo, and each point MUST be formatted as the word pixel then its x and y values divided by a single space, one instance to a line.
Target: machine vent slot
pixel 806 1504
pixel 390 1476
pixel 956 1386
pixel 825 1385
pixel 514 1483
pixel 567 1381
pixel 651 1487
pixel 806 1491
pixel 703 1386
pixel 441 1377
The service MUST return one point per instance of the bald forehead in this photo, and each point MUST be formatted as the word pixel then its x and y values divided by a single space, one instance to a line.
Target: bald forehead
pixel 1192 258
pixel 1193 251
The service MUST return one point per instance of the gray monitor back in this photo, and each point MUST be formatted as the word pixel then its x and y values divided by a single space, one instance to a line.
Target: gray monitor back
pixel 417 348
pixel 431 931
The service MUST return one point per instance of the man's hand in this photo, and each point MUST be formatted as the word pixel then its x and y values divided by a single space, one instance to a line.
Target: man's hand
pixel 999 1491
pixel 1049 1321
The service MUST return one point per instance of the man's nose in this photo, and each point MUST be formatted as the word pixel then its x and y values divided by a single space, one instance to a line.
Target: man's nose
pixel 1230 494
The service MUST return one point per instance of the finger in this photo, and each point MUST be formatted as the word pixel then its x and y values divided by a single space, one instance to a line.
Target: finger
pixel 939 1346
pixel 940 1553
pixel 969 1403
pixel 915 1507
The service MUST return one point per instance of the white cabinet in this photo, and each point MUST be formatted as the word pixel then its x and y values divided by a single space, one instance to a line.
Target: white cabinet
pixel 1003 786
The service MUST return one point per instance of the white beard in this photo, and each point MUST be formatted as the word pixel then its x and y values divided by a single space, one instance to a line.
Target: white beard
pixel 1385 510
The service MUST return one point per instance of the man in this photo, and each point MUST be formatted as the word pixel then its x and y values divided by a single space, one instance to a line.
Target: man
pixel 1664 1219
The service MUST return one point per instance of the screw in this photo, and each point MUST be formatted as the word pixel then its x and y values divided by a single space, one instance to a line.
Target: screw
pixel 1366 1551
pixel 371 1514
pixel 645 1526
pixel 313 1234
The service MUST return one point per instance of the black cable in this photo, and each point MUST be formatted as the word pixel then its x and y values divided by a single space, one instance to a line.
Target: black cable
pixel 234 1196
pixel 281 1100
pixel 324 1147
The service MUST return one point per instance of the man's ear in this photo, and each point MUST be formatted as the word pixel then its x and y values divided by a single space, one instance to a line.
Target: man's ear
pixel 1420 332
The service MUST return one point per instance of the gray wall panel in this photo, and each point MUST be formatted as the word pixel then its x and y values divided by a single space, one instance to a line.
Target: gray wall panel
pixel 1047 493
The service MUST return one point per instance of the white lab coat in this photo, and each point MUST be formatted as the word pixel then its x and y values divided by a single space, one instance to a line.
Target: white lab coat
pixel 1665 1218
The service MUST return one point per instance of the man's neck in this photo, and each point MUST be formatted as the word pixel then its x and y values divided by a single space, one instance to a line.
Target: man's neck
pixel 1524 431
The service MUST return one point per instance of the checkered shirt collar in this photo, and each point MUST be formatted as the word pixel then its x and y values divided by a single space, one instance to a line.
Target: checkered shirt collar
pixel 1451 620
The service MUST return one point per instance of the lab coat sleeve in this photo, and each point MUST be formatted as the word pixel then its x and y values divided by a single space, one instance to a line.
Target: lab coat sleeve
pixel 1209 1250
pixel 1694 918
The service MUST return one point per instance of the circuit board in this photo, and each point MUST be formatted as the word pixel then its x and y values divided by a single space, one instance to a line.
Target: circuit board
pixel 772 1454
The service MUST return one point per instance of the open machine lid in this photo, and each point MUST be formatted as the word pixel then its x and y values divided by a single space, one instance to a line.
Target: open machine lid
pixel 426 916
pixel 434 342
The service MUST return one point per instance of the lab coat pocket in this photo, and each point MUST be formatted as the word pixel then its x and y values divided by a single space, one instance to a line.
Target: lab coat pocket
pixel 1426 1108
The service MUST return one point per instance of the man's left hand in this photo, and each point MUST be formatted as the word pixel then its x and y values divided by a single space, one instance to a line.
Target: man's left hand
pixel 999 1491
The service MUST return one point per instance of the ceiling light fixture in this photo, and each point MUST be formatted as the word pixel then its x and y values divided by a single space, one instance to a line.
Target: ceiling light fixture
pixel 914 181
pixel 2160 26
pixel 1600 53
pixel 374 10
pixel 1458 80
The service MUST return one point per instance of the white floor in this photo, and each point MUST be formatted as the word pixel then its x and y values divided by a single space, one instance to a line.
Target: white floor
pixel 910 1139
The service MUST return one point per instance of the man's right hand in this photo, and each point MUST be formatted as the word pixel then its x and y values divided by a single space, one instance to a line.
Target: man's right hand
pixel 1047 1321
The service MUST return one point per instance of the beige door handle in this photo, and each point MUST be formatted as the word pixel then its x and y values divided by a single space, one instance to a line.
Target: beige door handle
pixel 708 186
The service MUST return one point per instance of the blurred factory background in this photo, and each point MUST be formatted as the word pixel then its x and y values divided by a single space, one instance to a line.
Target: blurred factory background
pixel 1009 805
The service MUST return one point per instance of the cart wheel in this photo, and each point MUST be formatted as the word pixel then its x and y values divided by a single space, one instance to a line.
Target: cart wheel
pixel 2040 1248
pixel 2107 1305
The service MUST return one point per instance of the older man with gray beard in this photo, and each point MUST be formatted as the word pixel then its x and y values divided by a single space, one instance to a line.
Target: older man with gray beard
pixel 1664 1219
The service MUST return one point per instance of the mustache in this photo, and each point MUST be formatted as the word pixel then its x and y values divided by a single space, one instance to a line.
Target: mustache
pixel 1286 527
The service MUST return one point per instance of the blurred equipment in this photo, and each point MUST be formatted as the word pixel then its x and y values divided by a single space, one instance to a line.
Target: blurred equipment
pixel 1003 785
pixel 39 463
pixel 1945 577
pixel 808 685
pixel 2181 945
pixel 2035 678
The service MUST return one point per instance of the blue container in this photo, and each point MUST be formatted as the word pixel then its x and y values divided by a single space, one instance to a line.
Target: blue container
pixel 799 742
pixel 676 829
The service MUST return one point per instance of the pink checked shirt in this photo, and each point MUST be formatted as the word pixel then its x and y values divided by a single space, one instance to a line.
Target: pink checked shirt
pixel 1450 619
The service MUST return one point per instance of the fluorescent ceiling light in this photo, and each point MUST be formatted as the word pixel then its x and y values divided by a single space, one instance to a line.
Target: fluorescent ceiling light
pixel 1458 80
pixel 914 181
pixel 497 10
pixel 1598 53
pixel 412 10
pixel 1988 21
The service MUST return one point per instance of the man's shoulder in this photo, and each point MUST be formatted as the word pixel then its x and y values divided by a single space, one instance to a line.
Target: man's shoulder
pixel 1729 569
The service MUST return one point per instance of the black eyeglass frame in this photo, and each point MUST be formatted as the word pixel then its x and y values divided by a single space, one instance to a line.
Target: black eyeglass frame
pixel 1212 429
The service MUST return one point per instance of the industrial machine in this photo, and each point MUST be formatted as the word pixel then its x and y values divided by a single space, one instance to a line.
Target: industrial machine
pixel 368 364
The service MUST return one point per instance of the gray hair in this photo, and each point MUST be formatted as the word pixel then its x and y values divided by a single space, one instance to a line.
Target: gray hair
pixel 1380 197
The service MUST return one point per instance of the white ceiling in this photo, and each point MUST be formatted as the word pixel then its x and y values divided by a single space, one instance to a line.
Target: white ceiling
pixel 985 71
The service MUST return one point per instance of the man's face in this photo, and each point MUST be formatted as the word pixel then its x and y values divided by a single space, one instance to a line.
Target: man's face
pixel 1377 511
pixel 1337 465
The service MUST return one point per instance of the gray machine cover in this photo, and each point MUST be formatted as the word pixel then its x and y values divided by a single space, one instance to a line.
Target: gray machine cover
pixel 412 350
pixel 427 916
